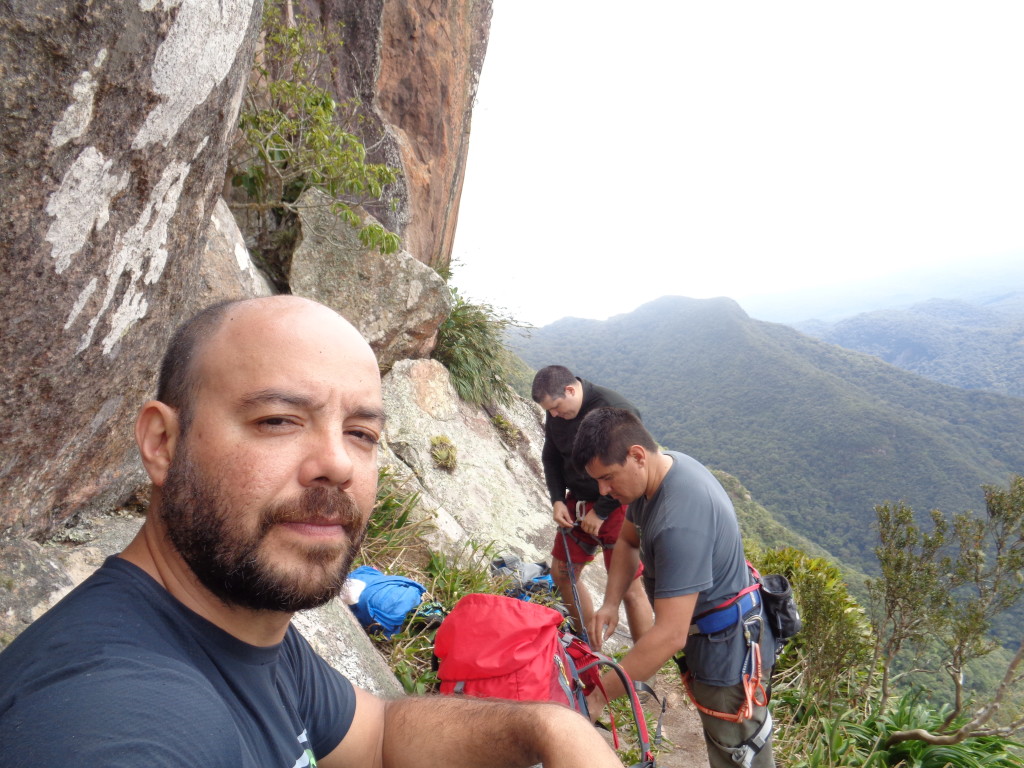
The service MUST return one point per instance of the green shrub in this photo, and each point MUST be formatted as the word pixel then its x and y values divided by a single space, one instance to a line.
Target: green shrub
pixel 829 657
pixel 818 738
pixel 470 345
pixel 394 533
pixel 509 432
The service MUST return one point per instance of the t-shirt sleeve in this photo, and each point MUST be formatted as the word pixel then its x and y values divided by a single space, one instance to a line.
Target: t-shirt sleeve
pixel 325 697
pixel 682 561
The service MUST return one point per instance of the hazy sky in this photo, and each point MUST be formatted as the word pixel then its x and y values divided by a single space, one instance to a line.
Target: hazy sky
pixel 622 152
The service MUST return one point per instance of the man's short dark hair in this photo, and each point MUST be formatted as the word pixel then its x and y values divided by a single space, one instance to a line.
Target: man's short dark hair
pixel 179 380
pixel 607 434
pixel 551 381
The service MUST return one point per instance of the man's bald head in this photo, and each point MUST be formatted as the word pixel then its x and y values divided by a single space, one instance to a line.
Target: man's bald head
pixel 180 369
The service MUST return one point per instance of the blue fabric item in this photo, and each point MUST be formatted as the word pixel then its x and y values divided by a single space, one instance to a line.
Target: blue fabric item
pixel 726 617
pixel 385 600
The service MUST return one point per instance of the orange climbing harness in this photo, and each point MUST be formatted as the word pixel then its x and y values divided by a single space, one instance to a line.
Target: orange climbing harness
pixel 755 694
pixel 754 691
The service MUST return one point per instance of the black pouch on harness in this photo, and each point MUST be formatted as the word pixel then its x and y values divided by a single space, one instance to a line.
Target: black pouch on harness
pixel 780 608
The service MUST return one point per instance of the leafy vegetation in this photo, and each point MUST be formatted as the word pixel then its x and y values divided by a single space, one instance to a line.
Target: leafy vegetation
pixel 946 587
pixel 471 345
pixel 510 433
pixel 293 136
pixel 809 735
pixel 865 688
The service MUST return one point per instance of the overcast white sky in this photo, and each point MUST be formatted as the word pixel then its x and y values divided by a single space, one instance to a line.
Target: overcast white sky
pixel 622 152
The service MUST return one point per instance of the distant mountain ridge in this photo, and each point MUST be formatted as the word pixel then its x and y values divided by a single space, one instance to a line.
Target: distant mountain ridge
pixel 964 344
pixel 819 434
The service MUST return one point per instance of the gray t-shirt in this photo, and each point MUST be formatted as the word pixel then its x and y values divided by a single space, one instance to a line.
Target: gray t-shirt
pixel 690 542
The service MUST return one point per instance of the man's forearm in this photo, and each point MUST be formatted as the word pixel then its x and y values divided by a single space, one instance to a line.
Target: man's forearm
pixel 454 731
pixel 643 660
pixel 625 559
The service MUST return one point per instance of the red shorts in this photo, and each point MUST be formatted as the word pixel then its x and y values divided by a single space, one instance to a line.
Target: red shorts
pixel 583 546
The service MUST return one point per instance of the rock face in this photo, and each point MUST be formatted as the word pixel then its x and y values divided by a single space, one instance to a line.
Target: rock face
pixel 116 122
pixel 396 302
pixel 112 155
pixel 226 270
pixel 415 66
pixel 495 493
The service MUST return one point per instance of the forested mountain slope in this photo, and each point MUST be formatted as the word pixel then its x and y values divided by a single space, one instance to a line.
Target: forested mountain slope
pixel 819 434
pixel 963 344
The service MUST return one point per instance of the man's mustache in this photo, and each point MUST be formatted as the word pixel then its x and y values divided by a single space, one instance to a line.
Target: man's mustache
pixel 315 505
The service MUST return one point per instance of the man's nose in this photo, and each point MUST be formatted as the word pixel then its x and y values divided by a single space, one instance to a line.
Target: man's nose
pixel 328 461
pixel 603 488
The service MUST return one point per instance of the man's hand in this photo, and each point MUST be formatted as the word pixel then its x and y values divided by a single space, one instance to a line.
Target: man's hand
pixel 596 702
pixel 606 619
pixel 591 523
pixel 561 514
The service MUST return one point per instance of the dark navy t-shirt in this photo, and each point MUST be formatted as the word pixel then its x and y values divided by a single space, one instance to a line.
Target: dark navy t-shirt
pixel 119 673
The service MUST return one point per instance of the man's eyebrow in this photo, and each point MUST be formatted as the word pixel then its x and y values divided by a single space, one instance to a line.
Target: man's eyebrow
pixel 283 397
pixel 296 400
pixel 371 414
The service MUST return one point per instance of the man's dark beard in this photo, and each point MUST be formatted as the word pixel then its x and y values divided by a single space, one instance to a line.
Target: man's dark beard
pixel 227 560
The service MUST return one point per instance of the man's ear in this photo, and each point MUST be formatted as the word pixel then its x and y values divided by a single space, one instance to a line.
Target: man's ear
pixel 639 453
pixel 156 433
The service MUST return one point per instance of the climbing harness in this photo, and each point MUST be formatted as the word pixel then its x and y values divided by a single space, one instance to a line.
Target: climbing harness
pixel 754 691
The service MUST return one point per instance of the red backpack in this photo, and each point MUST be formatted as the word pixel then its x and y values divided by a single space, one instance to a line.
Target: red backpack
pixel 491 646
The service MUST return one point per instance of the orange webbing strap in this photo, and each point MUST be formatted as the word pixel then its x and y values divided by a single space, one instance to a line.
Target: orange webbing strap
pixel 755 695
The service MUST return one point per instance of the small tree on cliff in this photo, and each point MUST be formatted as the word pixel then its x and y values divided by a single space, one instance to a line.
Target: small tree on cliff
pixel 293 135
pixel 951 585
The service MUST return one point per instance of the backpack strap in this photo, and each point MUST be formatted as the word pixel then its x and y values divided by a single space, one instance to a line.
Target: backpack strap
pixel 631 688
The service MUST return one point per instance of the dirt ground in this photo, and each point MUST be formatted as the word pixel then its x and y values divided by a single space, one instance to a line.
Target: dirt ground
pixel 684 739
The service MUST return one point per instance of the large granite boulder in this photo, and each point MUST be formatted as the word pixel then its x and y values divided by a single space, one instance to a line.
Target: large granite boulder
pixel 116 120
pixel 395 301
pixel 226 270
pixel 495 492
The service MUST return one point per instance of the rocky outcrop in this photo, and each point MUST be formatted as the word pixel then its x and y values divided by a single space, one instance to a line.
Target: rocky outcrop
pixel 396 302
pixel 116 119
pixel 495 492
pixel 415 66
pixel 226 270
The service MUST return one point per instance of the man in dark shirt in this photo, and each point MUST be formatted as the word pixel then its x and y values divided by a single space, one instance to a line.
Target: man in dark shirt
pixel 591 520
pixel 179 651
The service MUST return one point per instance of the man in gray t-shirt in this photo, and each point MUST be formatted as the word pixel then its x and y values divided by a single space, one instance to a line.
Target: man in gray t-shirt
pixel 681 525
